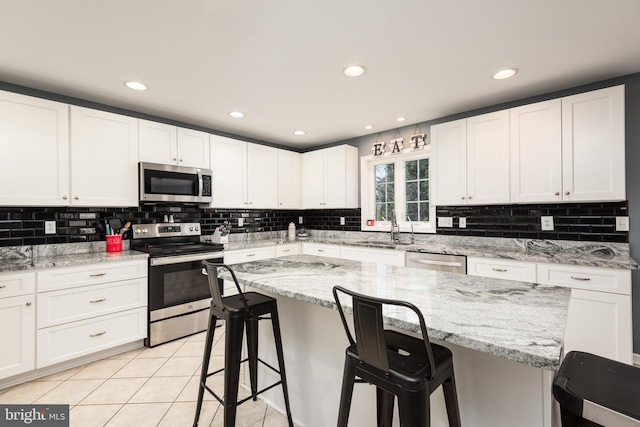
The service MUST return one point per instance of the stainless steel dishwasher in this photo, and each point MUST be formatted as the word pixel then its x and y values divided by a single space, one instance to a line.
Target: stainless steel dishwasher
pixel 439 262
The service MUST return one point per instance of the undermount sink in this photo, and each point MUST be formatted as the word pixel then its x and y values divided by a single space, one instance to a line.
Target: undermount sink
pixel 381 244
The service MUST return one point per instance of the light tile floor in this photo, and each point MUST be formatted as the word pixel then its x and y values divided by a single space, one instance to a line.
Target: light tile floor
pixel 155 387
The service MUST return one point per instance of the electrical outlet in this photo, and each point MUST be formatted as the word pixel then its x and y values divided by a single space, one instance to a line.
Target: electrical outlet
pixel 240 222
pixel 462 222
pixel 445 221
pixel 622 223
pixel 547 223
pixel 342 220
pixel 49 227
pixel 299 220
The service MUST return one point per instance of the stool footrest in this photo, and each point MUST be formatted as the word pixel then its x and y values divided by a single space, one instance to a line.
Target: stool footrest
pixel 260 391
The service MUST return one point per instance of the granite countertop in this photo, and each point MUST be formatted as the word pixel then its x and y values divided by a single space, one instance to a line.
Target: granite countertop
pixel 590 254
pixel 519 321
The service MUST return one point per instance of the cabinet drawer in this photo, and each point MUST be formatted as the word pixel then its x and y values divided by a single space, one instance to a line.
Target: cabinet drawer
pixel 320 249
pixel 502 269
pixel 55 308
pixel 52 279
pixel 287 249
pixel 384 256
pixel 71 340
pixel 246 255
pixel 15 284
pixel 590 278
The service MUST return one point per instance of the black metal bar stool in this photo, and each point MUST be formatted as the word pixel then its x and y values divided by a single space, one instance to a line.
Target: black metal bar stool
pixel 595 391
pixel 398 365
pixel 239 311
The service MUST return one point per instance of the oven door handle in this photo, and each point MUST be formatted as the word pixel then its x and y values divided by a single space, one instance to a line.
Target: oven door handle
pixel 185 258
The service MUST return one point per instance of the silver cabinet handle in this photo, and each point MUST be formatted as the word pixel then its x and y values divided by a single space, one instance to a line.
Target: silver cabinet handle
pixel 98 334
pixel 97 274
pixel 557 193
pixel 251 255
pixel 64 197
pixel 181 160
pixel 469 197
pixel 286 250
pixel 320 250
pixel 28 304
pixel 76 197
pixel 567 193
pixel 174 159
pixel 500 270
pixel 583 279
pixel 432 262
pixel 95 301
pixel 3 286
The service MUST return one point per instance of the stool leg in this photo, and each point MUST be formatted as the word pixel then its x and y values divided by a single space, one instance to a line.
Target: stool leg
pixel 348 380
pixel 205 365
pixel 451 401
pixel 385 407
pixel 233 355
pixel 414 409
pixel 568 418
pixel 275 321
pixel 252 350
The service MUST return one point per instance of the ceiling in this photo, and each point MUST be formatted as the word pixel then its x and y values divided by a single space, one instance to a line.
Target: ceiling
pixel 280 62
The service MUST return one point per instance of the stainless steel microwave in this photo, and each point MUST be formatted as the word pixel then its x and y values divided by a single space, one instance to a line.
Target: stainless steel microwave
pixel 171 183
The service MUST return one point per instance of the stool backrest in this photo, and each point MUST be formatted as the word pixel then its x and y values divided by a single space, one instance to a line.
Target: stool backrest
pixel 216 295
pixel 368 323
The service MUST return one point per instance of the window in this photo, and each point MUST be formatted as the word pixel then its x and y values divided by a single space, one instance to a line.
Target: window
pixel 400 183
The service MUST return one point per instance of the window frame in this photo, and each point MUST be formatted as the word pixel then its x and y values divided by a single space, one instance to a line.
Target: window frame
pixel 367 191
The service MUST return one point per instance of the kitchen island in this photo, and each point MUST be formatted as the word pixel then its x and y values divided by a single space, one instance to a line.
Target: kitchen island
pixel 506 337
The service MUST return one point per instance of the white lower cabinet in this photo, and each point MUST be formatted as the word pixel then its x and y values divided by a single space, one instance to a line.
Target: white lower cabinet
pixel 245 255
pixel 385 256
pixel 321 249
pixel 89 308
pixel 18 320
pixel 599 319
pixel 287 249
pixel 502 269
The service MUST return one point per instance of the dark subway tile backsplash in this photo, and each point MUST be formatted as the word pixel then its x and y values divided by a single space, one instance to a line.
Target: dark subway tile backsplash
pixel 579 221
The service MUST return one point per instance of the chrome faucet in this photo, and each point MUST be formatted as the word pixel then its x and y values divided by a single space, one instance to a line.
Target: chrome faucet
pixel 395 229
pixel 413 239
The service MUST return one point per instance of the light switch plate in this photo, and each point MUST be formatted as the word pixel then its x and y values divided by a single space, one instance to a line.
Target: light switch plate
pixel 622 223
pixel 299 220
pixel 547 223
pixel 240 222
pixel 342 221
pixel 49 227
pixel 445 221
pixel 462 222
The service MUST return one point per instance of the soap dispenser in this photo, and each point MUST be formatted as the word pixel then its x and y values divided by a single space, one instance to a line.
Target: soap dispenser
pixel 292 231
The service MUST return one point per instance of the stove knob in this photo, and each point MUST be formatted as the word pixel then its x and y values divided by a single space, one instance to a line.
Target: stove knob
pixel 145 230
pixel 190 228
pixel 197 228
pixel 137 231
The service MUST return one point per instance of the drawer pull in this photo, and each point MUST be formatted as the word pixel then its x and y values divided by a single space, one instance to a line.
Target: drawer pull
pixel 98 334
pixel 499 270
pixel 28 304
pixel 251 255
pixel 97 300
pixel 320 250
pixel 97 274
pixel 583 279
pixel 286 250
pixel 3 286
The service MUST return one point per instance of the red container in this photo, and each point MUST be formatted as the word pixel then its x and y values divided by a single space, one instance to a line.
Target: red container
pixel 371 222
pixel 114 243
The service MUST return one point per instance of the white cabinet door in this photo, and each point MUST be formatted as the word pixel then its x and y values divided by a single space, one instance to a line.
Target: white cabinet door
pixel 104 158
pixel 488 158
pixel 34 140
pixel 158 142
pixel 599 323
pixel 289 180
pixel 502 269
pixel 593 140
pixel 330 178
pixel 536 152
pixel 449 163
pixel 18 317
pixel 229 165
pixel 287 249
pixel 193 148
pixel 16 284
pixel 262 177
pixel 313 180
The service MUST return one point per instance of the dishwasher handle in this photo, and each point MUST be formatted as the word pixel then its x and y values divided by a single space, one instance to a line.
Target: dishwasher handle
pixel 442 263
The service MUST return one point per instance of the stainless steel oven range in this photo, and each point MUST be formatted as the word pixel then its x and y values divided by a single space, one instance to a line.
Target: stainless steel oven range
pixel 179 296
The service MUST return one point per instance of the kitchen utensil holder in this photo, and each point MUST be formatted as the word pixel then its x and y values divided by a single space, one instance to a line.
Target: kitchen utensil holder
pixel 114 243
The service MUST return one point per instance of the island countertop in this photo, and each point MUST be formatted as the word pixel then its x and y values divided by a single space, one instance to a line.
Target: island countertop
pixel 523 322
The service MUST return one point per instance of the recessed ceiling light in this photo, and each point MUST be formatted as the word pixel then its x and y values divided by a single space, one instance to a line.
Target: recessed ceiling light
pixel 401 119
pixel 353 71
pixel 505 74
pixel 368 127
pixel 136 85
pixel 236 114
pixel 299 132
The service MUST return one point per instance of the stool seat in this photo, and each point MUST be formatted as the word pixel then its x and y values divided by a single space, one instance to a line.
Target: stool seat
pixel 239 312
pixel 399 365
pixel 598 390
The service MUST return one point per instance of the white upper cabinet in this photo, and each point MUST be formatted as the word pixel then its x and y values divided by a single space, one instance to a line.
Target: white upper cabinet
pixel 593 140
pixel 289 179
pixel 166 144
pixel 471 160
pixel 104 158
pixel 34 139
pixel 330 178
pixel 244 175
pixel 536 152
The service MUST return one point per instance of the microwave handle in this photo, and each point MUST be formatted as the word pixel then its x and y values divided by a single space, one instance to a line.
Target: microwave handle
pixel 200 184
